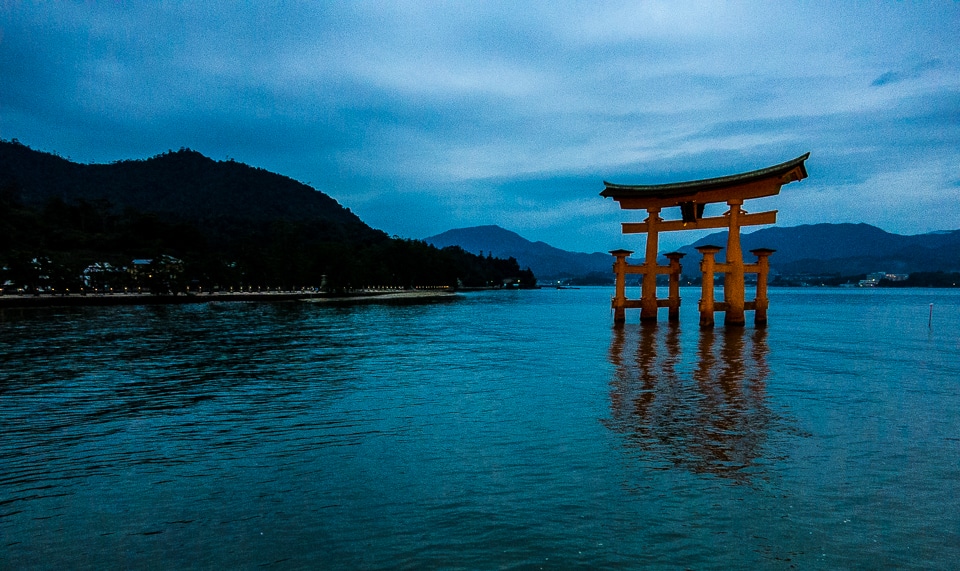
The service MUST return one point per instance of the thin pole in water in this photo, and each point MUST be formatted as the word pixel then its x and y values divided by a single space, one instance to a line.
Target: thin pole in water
pixel 930 320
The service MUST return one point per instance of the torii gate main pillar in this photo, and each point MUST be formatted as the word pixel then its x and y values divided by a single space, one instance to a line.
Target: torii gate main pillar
pixel 648 286
pixel 734 282
pixel 692 197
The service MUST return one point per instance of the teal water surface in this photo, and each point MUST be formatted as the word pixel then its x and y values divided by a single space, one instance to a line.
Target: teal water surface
pixel 497 430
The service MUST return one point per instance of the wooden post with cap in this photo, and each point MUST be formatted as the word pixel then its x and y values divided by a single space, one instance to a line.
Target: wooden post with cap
pixel 619 301
pixel 673 297
pixel 707 268
pixel 763 270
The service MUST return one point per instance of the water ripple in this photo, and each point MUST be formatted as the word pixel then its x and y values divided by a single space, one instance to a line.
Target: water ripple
pixel 507 429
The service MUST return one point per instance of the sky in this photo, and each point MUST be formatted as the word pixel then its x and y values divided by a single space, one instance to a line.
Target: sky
pixel 424 116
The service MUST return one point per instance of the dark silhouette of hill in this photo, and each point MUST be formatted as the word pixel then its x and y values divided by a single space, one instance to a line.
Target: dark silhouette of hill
pixel 184 185
pixel 847 249
pixel 228 223
pixel 545 260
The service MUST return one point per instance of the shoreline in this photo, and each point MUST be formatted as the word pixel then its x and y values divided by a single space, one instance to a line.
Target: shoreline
pixel 118 299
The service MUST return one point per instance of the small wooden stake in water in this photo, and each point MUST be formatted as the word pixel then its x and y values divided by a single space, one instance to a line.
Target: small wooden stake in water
pixel 930 321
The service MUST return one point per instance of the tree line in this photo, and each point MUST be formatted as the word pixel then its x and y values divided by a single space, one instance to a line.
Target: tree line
pixel 51 245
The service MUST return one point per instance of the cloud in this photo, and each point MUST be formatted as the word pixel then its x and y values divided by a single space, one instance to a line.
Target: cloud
pixel 913 73
pixel 425 116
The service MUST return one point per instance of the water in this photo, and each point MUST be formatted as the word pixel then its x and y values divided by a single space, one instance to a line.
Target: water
pixel 500 430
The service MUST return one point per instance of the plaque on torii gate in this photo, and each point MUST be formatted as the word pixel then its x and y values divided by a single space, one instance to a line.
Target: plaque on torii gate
pixel 691 197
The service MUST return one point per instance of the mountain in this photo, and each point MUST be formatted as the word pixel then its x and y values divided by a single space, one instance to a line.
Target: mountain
pixel 545 260
pixel 213 224
pixel 847 249
pixel 183 185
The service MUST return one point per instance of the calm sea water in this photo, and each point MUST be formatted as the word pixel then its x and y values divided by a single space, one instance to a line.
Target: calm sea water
pixel 498 430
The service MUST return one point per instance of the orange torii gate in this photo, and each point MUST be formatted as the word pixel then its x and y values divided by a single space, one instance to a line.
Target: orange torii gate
pixel 692 197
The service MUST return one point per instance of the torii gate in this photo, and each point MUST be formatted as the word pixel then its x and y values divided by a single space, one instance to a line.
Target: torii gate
pixel 692 197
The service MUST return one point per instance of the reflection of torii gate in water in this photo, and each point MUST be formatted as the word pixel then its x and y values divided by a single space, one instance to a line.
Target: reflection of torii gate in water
pixel 692 197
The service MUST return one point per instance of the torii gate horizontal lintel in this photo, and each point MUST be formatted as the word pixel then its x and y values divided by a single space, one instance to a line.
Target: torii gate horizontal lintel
pixel 753 219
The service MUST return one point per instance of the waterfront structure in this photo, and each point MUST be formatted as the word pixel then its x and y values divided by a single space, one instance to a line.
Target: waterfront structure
pixel 692 197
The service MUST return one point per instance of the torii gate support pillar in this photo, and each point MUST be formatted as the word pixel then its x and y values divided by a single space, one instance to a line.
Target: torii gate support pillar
pixel 673 298
pixel 707 268
pixel 620 293
pixel 763 270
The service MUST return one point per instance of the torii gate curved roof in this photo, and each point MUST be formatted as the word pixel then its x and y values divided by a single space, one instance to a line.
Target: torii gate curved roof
pixel 753 184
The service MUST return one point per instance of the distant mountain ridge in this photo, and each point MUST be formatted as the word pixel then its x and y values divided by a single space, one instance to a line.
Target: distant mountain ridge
pixel 545 260
pixel 846 249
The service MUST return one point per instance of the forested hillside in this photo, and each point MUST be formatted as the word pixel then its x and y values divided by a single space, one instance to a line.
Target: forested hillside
pixel 230 224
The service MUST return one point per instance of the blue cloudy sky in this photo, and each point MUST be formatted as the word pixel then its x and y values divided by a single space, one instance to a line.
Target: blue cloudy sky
pixel 425 116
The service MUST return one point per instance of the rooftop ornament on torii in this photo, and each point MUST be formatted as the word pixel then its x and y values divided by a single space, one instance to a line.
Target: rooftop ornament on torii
pixel 692 197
